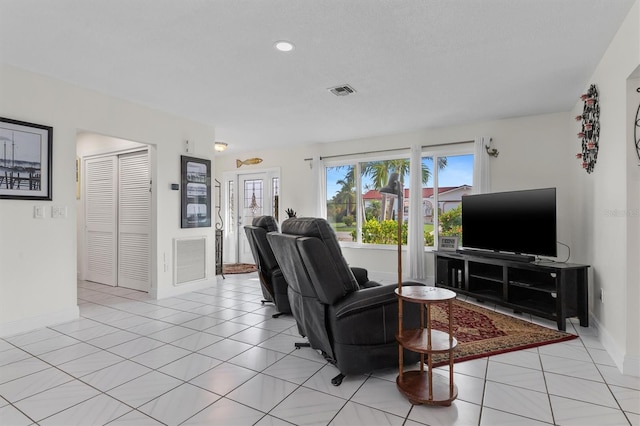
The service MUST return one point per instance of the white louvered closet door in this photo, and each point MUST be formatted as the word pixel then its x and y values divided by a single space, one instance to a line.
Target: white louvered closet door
pixel 134 222
pixel 100 219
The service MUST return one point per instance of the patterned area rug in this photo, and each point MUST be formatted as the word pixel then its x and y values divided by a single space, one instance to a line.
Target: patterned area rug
pixel 481 332
pixel 238 268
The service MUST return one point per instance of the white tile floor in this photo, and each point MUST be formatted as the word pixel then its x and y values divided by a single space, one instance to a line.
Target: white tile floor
pixel 217 357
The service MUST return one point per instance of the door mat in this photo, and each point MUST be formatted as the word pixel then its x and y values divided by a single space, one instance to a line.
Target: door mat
pixel 238 268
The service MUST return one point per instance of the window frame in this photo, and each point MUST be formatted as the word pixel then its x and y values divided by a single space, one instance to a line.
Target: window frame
pixel 434 151
pixel 356 161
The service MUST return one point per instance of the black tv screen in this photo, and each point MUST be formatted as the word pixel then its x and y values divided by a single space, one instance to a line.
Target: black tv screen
pixel 522 222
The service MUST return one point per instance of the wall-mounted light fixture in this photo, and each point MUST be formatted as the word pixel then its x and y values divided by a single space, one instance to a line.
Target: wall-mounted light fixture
pixel 219 146
pixel 492 151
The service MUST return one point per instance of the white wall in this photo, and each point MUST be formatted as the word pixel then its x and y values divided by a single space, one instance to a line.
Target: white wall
pixel 603 231
pixel 633 223
pixel 38 256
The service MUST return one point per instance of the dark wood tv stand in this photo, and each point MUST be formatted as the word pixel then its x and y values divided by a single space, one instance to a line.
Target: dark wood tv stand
pixel 551 290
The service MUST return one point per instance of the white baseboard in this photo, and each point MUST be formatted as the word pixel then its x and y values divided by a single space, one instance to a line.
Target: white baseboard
pixel 32 323
pixel 627 365
pixel 631 366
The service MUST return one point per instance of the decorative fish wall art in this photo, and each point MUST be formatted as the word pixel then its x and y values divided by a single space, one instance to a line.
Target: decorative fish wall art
pixel 248 162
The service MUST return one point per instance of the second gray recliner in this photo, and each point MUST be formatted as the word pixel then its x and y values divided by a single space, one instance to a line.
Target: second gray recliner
pixel 274 284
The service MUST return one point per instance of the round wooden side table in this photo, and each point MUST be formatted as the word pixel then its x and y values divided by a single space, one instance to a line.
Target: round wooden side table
pixel 423 386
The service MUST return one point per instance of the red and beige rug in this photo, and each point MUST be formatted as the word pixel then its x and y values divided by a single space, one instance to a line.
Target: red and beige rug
pixel 481 332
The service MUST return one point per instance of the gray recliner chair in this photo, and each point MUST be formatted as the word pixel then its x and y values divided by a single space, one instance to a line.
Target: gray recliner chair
pixel 352 324
pixel 274 284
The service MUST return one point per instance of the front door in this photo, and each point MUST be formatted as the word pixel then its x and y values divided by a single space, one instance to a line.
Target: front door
pixel 254 200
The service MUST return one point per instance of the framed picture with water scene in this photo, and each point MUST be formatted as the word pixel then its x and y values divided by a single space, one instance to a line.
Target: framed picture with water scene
pixel 25 160
pixel 195 176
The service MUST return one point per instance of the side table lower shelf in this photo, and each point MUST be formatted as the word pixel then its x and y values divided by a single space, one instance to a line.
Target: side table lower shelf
pixel 415 386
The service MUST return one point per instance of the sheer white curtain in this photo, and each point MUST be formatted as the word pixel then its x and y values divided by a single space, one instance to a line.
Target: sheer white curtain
pixel 481 165
pixel 415 243
pixel 320 186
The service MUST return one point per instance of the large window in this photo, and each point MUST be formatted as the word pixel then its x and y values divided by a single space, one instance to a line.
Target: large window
pixel 360 213
pixel 450 177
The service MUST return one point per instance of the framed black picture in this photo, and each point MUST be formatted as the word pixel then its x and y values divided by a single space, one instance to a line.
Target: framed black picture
pixel 195 175
pixel 25 160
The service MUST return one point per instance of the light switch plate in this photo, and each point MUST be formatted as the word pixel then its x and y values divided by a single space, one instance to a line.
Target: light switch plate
pixel 58 212
pixel 38 212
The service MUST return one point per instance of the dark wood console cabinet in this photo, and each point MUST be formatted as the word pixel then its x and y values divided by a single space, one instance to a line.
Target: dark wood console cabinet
pixel 551 290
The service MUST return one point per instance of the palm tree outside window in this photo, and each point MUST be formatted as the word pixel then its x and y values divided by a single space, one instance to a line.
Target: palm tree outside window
pixel 361 214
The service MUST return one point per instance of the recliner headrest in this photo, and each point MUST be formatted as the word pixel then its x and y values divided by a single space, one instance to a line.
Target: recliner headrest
pixel 319 228
pixel 268 223
pixel 309 227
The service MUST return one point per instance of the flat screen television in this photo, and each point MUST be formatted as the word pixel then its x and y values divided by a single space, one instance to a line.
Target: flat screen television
pixel 521 222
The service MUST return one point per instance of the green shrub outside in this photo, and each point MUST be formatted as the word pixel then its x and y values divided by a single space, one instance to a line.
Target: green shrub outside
pixel 385 232
pixel 348 220
pixel 451 223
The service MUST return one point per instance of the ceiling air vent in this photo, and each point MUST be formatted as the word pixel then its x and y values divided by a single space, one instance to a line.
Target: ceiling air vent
pixel 343 90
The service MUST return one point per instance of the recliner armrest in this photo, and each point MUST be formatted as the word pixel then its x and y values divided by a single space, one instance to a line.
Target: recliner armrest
pixel 368 298
pixel 369 284
pixel 365 299
pixel 362 276
pixel 369 317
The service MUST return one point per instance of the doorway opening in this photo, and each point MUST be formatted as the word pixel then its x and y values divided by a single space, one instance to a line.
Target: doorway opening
pixel 115 214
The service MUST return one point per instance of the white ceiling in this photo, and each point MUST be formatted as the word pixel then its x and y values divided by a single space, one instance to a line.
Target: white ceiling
pixel 414 63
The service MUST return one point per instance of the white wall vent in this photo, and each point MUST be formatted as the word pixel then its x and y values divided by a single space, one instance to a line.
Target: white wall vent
pixel 190 255
pixel 343 90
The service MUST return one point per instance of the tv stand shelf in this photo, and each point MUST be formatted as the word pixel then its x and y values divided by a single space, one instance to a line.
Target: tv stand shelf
pixel 555 291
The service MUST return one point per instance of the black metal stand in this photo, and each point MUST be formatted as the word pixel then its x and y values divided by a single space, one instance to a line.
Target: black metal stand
pixel 219 233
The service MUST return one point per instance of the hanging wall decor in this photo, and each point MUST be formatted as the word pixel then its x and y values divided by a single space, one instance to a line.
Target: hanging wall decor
pixel 196 192
pixel 26 163
pixel 254 207
pixel 590 132
pixel 636 132
pixel 248 162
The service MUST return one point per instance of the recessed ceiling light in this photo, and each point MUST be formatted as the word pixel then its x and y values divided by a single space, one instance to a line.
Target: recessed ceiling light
pixel 283 46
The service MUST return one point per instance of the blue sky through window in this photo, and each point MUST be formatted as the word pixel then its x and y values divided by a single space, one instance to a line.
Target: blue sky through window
pixel 459 171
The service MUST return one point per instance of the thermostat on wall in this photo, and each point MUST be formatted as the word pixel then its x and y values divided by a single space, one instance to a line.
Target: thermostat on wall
pixel 175 186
